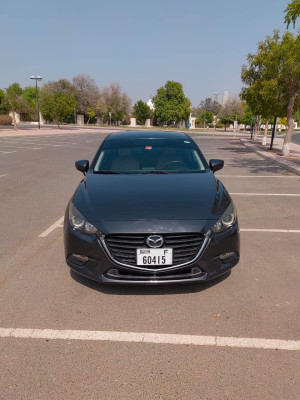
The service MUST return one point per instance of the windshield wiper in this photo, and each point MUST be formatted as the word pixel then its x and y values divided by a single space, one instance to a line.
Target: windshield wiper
pixel 106 172
pixel 155 171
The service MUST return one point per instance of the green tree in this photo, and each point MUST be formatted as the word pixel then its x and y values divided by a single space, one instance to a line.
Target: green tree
pixel 171 105
pixel 29 95
pixel 263 94
pixel 204 118
pixel 273 79
pixel 91 113
pixel 292 13
pixel 283 121
pixel 4 107
pixel 17 104
pixel 261 75
pixel 57 100
pixel 141 111
pixel 289 81
pixel 247 117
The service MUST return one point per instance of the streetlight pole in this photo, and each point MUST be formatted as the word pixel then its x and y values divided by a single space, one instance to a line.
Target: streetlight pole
pixel 37 78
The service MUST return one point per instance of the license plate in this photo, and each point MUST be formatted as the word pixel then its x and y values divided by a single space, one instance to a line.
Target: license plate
pixel 154 256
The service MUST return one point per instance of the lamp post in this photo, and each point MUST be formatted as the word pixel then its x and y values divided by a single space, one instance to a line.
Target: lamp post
pixel 37 78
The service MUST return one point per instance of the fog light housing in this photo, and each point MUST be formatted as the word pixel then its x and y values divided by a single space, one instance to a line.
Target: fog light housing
pixel 78 259
pixel 228 257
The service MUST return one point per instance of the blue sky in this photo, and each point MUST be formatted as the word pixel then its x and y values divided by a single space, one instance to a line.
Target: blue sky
pixel 140 44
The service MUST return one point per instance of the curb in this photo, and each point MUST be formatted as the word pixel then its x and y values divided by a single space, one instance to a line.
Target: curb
pixel 286 164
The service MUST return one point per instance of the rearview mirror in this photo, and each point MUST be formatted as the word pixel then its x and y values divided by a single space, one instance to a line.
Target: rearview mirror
pixel 82 165
pixel 216 164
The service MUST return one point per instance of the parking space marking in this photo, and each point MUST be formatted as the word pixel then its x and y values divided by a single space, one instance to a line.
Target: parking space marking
pixel 229 158
pixel 7 152
pixel 267 194
pixel 270 230
pixel 22 147
pixel 2 176
pixel 259 176
pixel 155 338
pixel 36 143
pixel 57 224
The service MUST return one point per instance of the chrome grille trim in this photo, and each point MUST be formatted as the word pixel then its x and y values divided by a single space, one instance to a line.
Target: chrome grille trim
pixel 205 242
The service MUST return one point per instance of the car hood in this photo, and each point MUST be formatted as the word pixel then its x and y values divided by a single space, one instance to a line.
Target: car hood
pixel 112 200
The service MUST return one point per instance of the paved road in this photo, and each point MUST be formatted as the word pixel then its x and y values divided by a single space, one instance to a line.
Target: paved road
pixel 296 138
pixel 259 299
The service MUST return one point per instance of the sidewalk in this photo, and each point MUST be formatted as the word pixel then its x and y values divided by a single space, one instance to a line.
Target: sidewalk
pixel 291 163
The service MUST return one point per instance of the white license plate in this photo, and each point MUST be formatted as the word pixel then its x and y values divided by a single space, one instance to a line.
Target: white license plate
pixel 154 256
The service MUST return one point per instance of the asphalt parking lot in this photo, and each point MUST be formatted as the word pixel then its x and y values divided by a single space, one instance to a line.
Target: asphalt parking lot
pixel 63 336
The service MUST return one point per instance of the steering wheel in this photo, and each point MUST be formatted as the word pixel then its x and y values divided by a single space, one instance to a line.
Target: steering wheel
pixel 173 165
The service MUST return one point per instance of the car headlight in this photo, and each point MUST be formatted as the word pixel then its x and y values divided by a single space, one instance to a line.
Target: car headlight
pixel 78 221
pixel 226 221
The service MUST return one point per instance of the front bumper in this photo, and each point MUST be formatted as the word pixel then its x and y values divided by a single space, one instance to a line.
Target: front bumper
pixel 98 266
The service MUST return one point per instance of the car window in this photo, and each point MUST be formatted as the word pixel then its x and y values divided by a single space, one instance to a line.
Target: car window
pixel 149 156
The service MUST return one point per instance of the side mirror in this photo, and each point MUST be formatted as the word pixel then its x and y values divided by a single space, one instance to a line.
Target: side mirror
pixel 83 166
pixel 215 164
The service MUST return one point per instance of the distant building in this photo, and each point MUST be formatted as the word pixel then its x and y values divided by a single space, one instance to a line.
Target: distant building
pixel 225 98
pixel 216 97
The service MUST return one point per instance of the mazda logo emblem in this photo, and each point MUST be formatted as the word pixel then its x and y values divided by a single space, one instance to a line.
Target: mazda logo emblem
pixel 155 241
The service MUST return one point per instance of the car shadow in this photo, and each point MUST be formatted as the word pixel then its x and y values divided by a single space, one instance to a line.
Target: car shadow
pixel 141 290
pixel 254 164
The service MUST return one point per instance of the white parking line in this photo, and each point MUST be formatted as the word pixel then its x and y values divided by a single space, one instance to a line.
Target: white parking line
pixel 259 176
pixel 2 176
pixel 57 224
pixel 156 338
pixel 271 230
pixel 267 194
pixel 22 147
pixel 8 152
pixel 36 143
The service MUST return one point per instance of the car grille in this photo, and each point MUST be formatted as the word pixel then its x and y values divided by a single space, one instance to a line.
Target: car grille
pixel 123 247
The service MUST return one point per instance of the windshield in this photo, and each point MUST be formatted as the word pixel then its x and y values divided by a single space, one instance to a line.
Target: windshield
pixel 148 156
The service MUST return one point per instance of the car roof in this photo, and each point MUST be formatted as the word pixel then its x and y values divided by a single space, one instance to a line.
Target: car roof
pixel 147 135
